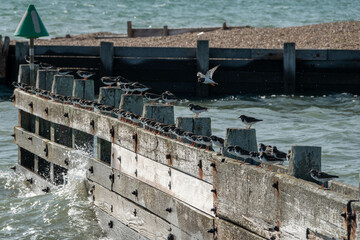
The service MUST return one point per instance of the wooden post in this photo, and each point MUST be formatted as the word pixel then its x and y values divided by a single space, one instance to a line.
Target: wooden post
pixel 303 159
pixel 45 79
pixel 107 58
pixel 85 90
pixel 165 31
pixel 245 138
pixel 159 112
pixel 130 32
pixel 199 125
pixel 63 85
pixel 132 103
pixel 110 96
pixel 4 50
pixel 289 68
pixel 202 61
pixel 21 50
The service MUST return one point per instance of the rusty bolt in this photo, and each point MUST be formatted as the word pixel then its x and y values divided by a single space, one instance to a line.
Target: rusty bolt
pixel 91 169
pixel 66 115
pixel 135 193
pixel 168 210
pixel 111 224
pixel 31 104
pixel 46 110
pixel 92 124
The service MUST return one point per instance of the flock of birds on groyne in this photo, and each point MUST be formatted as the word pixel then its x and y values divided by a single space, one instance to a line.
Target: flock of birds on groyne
pixel 265 154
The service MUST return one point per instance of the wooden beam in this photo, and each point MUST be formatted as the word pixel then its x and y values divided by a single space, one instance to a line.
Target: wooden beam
pixel 130 31
pixel 132 215
pixel 177 212
pixel 191 190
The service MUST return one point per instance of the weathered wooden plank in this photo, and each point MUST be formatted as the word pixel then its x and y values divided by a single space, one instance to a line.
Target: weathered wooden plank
pixel 329 66
pixel 230 53
pixel 180 156
pixel 191 190
pixel 77 118
pixel 178 213
pixel 114 229
pixel 241 191
pixel 269 54
pixel 100 173
pixel 132 215
pixel 314 208
pixel 32 180
pixel 154 52
pixel 311 54
pixel 42 147
pixel 345 189
pixel 230 231
pixel 344 55
pixel 195 192
pixel 67 50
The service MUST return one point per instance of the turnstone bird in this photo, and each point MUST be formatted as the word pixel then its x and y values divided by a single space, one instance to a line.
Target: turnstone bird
pixel 204 140
pixel 121 80
pixel 279 154
pixel 179 134
pixel 86 104
pixel 118 112
pixel 265 148
pixel 152 97
pixel 27 59
pixel 187 135
pixel 127 87
pixel 19 85
pixel 207 79
pixel 168 97
pixel 138 87
pixel 85 74
pixel 217 141
pixel 269 159
pixel 109 81
pixel 321 177
pixel 55 97
pixel 249 121
pixel 197 109
pixel 105 109
pixel 64 71
pixel 46 66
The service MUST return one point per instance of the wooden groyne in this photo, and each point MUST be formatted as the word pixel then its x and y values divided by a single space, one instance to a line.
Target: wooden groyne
pixel 241 71
pixel 149 186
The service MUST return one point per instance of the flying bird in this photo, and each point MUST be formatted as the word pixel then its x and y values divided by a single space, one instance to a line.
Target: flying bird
pixel 207 78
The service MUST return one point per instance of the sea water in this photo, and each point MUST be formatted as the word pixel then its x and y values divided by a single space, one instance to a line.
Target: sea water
pixel 330 121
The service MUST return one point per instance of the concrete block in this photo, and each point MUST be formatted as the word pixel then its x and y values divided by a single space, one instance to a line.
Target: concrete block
pixel 303 159
pixel 199 126
pixel 159 112
pixel 132 103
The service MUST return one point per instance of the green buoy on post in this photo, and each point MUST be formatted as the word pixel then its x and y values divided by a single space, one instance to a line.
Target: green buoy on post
pixel 31 27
